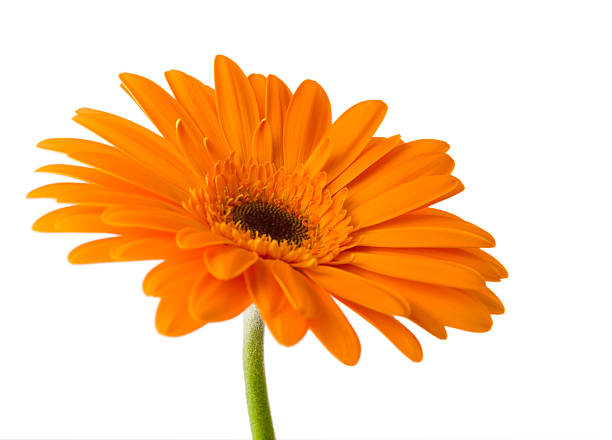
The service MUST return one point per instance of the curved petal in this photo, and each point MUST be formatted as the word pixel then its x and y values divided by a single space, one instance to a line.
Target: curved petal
pixel 278 96
pixel 173 318
pixel 196 238
pixel 236 104
pixel 297 289
pixel 409 265
pixel 227 262
pixel 394 330
pixel 148 218
pixel 264 289
pixel 215 300
pixel 175 275
pixel 351 132
pixel 333 329
pixel 308 118
pixel 258 83
pixel 357 289
pixel 262 146
pixel 399 200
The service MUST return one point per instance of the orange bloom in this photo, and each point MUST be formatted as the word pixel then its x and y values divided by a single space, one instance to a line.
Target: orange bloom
pixel 252 195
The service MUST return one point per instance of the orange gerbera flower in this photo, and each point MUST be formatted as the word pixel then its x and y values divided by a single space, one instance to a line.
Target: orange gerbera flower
pixel 252 195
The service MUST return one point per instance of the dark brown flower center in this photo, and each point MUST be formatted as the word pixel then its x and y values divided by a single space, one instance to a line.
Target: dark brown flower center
pixel 276 223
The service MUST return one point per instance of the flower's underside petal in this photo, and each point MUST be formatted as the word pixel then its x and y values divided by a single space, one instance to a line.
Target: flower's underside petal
pixel 74 219
pixel 197 238
pixel 350 134
pixel 394 330
pixel 112 161
pixel 262 146
pixel 258 83
pixel 413 264
pixel 288 326
pixel 124 248
pixel 308 118
pixel 489 299
pixel 331 327
pixel 174 276
pixel 215 300
pixel 448 306
pixel 96 177
pixel 199 101
pixel 375 149
pixel 482 255
pixel 164 111
pixel 264 289
pixel 236 104
pixel 355 288
pixel 173 318
pixel 297 289
pixel 149 218
pixel 400 200
pixel 278 97
pixel 227 262
pixel 142 145
pixel 371 184
pixel 423 230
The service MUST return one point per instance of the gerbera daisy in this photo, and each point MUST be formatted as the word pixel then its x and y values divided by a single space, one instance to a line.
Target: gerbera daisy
pixel 250 194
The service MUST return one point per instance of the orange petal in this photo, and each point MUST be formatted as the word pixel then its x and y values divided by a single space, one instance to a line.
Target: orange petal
pixel 422 230
pixel 215 300
pixel 410 264
pixel 489 299
pixel 297 289
pixel 278 97
pixel 264 289
pixel 375 149
pixel 357 289
pixel 258 83
pixel 399 200
pixel 377 180
pixel 331 327
pixel 149 218
pixel 351 132
pixel 139 143
pixel 199 101
pixel 195 238
pixel 288 326
pixel 175 275
pixel 308 118
pixel 397 333
pixel 262 147
pixel 54 190
pixel 173 318
pixel 227 262
pixel 236 105
pixel 96 251
pixel 318 158
pixel 49 221
pixel 451 307
pixel 155 247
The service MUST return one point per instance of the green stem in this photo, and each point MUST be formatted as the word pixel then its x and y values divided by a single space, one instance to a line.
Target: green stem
pixel 255 376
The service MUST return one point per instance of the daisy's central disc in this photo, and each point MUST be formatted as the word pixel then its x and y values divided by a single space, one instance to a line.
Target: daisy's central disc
pixel 263 218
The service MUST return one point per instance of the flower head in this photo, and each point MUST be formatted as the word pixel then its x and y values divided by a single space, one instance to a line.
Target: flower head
pixel 250 194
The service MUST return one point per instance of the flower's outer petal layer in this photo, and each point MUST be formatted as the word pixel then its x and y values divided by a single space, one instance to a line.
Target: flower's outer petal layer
pixel 298 291
pixel 75 219
pixel 227 262
pixel 423 230
pixel 489 299
pixel 318 158
pixel 262 147
pixel 370 185
pixel 236 104
pixel 199 101
pixel 286 325
pixel 278 97
pixel 173 318
pixel 400 200
pixel 149 218
pixel 331 327
pixel 215 300
pixel 447 306
pixel 395 331
pixel 357 289
pixel 164 111
pixel 258 83
pixel 350 134
pixel 375 149
pixel 197 238
pixel 174 276
pixel 308 118
pixel 125 248
pixel 415 265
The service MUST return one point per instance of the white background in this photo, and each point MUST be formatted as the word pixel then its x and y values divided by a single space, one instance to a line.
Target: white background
pixel 521 91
